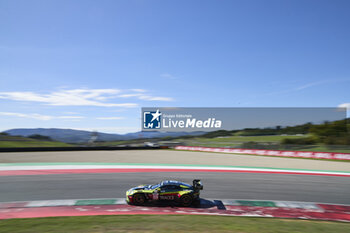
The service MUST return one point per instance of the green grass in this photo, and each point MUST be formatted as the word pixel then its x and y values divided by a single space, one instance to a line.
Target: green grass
pixel 14 141
pixel 116 143
pixel 235 140
pixel 322 148
pixel 168 223
pixel 33 144
pixel 219 140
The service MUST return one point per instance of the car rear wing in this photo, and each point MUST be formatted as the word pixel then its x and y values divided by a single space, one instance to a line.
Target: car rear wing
pixel 197 185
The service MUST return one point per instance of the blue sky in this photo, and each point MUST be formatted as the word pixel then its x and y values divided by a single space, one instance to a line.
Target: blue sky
pixel 93 64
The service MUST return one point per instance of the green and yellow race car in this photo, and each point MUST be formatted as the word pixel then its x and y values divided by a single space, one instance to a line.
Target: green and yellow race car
pixel 169 190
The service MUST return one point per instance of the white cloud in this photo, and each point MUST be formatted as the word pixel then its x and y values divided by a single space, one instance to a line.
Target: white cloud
pixel 70 117
pixel 36 116
pixel 139 90
pixel 74 97
pixel 168 76
pixel 129 95
pixel 110 118
pixel 305 86
pixel 71 113
pixel 317 83
pixel 312 84
pixel 344 105
pixel 347 107
pixel 155 98
pixel 146 97
pixel 82 97
pixel 32 116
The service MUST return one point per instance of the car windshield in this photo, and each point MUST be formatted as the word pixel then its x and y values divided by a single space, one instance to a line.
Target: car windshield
pixel 154 186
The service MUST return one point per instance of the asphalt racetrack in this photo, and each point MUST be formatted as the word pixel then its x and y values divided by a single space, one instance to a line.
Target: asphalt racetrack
pixel 171 157
pixel 286 187
pixel 307 188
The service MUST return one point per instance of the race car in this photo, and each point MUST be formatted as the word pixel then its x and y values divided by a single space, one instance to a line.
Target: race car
pixel 169 190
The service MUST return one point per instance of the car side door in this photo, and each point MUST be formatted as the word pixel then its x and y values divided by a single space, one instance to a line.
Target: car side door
pixel 169 192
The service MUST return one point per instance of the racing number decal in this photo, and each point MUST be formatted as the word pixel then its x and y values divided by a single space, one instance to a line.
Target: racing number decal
pixel 155 195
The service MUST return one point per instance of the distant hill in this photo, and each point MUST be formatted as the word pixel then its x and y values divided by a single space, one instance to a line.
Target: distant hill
pixel 82 136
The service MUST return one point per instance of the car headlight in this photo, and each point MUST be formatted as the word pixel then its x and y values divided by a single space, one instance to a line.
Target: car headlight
pixel 130 192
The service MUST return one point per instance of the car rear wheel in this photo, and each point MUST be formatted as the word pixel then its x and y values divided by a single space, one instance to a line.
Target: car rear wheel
pixel 139 199
pixel 186 200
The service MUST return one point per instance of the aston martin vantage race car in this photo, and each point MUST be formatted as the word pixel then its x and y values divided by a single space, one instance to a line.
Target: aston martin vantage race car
pixel 169 190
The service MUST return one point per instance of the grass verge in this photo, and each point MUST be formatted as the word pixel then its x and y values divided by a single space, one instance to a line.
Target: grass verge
pixel 32 143
pixel 168 223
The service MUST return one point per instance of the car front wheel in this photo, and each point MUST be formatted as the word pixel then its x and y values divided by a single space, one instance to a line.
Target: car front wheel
pixel 139 199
